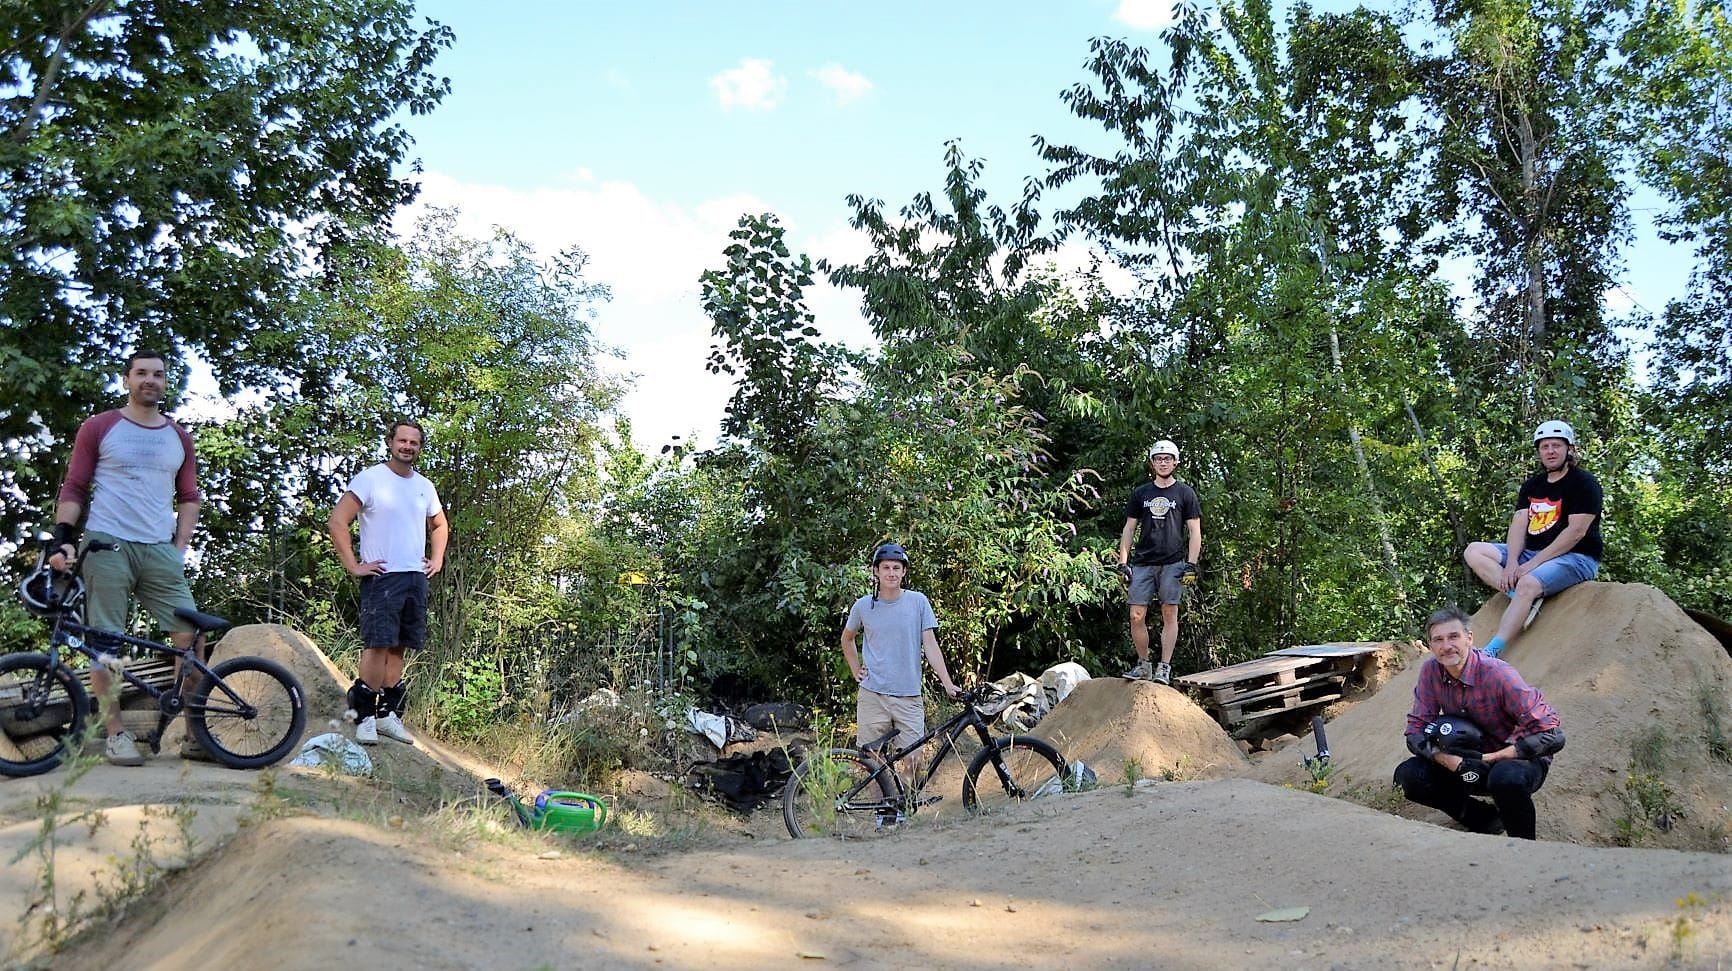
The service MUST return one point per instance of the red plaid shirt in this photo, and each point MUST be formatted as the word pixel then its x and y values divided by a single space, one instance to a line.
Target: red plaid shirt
pixel 1489 693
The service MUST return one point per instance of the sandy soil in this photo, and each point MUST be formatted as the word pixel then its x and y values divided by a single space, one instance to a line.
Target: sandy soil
pixel 1162 874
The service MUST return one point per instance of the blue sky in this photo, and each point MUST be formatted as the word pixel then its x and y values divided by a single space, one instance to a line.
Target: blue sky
pixel 641 132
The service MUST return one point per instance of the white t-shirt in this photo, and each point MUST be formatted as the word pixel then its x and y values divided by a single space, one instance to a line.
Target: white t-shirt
pixel 394 514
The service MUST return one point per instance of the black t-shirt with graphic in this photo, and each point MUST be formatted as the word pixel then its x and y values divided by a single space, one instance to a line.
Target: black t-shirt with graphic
pixel 1551 504
pixel 1161 514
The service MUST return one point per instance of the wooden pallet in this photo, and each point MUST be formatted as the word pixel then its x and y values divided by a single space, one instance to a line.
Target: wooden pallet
pixel 1279 682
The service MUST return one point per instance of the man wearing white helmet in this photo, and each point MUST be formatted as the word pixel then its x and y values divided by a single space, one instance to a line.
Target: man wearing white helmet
pixel 1554 536
pixel 1169 518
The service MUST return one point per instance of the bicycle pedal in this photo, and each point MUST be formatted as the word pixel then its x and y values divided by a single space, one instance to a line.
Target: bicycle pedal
pixel 928 801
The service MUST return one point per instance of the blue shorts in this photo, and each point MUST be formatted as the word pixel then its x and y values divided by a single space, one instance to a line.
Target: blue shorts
pixel 1557 573
pixel 1146 581
pixel 394 609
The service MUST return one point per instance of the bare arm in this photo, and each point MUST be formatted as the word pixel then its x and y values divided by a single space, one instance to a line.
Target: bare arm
pixel 1125 536
pixel 66 511
pixel 852 656
pixel 1575 527
pixel 185 519
pixel 438 531
pixel 935 657
pixel 342 517
pixel 1196 529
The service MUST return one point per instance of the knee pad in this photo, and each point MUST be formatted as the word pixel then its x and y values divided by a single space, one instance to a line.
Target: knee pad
pixel 394 699
pixel 363 702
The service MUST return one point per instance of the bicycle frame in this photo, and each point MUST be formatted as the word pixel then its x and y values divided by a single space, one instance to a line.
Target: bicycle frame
pixel 952 730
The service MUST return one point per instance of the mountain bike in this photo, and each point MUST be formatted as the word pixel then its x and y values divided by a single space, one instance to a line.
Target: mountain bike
pixel 247 712
pixel 856 792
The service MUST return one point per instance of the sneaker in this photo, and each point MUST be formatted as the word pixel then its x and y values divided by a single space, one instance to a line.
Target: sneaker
pixel 367 731
pixel 889 820
pixel 392 728
pixel 1533 612
pixel 1139 672
pixel 1163 673
pixel 122 750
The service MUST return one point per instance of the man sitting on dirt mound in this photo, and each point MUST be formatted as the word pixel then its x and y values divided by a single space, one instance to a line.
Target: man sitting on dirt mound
pixel 1465 702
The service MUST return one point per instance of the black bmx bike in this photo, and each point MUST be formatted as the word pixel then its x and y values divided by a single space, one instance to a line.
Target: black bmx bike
pixel 247 712
pixel 857 792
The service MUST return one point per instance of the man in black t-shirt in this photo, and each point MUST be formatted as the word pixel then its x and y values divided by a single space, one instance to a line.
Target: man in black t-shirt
pixel 1170 521
pixel 1554 535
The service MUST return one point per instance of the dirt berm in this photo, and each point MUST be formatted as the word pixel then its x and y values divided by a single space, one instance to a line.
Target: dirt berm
pixel 1640 687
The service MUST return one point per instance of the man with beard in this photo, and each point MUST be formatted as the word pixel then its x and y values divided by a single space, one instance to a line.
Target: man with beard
pixel 399 512
pixel 1554 536
pixel 135 470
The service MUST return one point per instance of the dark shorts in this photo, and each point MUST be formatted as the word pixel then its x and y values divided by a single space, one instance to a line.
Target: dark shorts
pixel 1149 581
pixel 394 610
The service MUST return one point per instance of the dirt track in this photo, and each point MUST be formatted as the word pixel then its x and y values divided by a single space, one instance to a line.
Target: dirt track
pixel 1168 875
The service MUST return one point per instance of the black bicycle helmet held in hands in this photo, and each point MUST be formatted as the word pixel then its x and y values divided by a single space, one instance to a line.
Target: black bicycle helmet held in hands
pixel 1456 735
pixel 46 592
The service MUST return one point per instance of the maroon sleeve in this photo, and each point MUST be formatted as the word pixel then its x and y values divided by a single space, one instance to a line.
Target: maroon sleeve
pixel 85 449
pixel 186 480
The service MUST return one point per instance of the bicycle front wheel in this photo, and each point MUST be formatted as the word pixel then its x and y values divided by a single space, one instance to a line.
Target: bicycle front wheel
pixel 42 714
pixel 251 715
pixel 839 792
pixel 1011 770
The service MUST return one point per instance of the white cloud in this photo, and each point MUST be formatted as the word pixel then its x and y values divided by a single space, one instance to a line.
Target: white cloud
pixel 1145 14
pixel 847 86
pixel 754 85
pixel 650 253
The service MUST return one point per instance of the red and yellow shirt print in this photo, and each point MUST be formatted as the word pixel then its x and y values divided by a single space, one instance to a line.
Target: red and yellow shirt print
pixel 1543 514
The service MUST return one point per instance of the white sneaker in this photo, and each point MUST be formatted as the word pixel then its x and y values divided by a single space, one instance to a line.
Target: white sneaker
pixel 1163 673
pixel 392 727
pixel 122 750
pixel 1138 672
pixel 367 732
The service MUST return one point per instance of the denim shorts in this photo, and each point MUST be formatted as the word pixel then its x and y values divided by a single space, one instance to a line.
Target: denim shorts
pixel 1557 573
pixel 1146 581
pixel 394 609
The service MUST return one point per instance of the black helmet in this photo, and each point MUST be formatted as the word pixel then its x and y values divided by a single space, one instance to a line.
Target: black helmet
pixel 1455 734
pixel 890 551
pixel 46 592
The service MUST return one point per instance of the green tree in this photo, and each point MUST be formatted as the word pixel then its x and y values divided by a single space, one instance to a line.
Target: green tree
pixel 168 171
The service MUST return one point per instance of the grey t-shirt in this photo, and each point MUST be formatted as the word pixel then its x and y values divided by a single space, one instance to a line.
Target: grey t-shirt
pixel 891 645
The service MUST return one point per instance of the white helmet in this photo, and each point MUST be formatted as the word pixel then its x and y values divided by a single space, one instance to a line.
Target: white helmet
pixel 1164 447
pixel 1555 429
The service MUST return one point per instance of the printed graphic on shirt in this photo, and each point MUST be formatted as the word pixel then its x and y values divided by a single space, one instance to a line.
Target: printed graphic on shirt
pixel 1543 514
pixel 1159 506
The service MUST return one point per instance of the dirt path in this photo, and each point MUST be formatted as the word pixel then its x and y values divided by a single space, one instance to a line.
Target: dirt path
pixel 1169 875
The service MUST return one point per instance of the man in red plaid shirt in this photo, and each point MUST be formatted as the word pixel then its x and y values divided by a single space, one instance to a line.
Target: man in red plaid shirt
pixel 1518 733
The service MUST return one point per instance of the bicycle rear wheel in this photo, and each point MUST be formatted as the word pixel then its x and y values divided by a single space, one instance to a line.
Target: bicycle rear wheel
pixel 253 718
pixel 839 792
pixel 1012 769
pixel 42 714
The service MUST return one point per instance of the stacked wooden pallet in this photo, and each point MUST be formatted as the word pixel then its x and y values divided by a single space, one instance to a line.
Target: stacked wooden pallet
pixel 1278 683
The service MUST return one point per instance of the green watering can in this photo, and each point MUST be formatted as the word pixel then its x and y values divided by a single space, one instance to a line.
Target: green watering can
pixel 555 809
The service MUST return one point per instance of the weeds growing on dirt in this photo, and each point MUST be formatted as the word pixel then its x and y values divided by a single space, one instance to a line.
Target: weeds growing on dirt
pixel 1131 771
pixel 1652 808
pixel 1712 702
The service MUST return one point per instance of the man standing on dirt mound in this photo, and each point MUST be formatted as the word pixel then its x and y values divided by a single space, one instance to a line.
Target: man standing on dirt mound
pixel 899 628
pixel 135 469
pixel 399 512
pixel 1554 536
pixel 1168 517
pixel 1476 729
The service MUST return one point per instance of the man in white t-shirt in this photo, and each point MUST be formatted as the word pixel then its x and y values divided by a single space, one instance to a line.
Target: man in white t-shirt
pixel 400 518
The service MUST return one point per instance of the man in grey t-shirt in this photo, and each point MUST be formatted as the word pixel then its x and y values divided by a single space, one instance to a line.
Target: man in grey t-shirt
pixel 899 627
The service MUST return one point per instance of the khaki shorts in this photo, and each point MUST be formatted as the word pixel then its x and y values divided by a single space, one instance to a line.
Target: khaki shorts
pixel 153 573
pixel 875 715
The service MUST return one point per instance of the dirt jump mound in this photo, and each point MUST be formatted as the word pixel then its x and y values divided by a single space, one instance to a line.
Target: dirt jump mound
pixel 1111 723
pixel 1645 694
